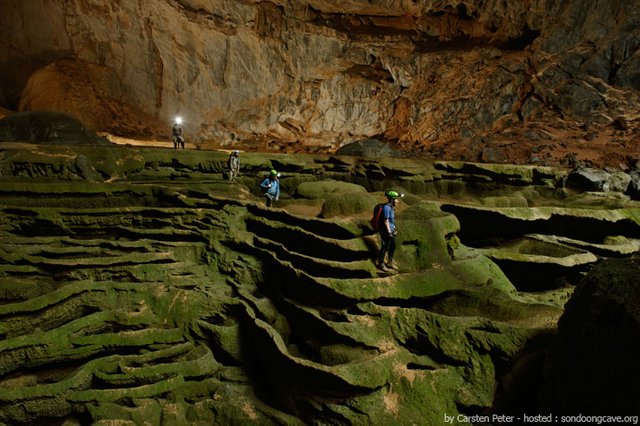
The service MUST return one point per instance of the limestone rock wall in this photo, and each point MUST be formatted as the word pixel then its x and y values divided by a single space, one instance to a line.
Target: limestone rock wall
pixel 457 78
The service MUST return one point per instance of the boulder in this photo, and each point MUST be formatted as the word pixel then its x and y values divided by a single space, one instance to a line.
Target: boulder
pixel 326 188
pixel 86 169
pixel 47 127
pixel 589 179
pixel 633 190
pixel 345 204
pixel 594 365
pixel 619 181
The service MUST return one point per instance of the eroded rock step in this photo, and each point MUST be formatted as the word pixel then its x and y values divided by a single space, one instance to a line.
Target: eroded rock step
pixel 190 303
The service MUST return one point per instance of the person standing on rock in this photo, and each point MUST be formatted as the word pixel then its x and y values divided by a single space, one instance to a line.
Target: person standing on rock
pixel 233 164
pixel 270 186
pixel 388 232
pixel 177 133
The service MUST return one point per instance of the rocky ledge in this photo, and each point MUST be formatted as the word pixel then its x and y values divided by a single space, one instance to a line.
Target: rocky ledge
pixel 140 285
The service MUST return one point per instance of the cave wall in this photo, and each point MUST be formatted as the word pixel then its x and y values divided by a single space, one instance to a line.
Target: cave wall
pixel 420 72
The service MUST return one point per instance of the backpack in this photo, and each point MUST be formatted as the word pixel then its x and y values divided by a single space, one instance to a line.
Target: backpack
pixel 376 219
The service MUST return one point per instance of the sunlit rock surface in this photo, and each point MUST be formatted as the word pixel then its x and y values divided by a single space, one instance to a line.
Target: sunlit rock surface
pixel 539 82
pixel 161 292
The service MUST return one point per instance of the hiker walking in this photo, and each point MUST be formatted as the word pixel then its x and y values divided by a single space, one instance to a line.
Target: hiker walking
pixel 177 133
pixel 388 232
pixel 233 164
pixel 270 186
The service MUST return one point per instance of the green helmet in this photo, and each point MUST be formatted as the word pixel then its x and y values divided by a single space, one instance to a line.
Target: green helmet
pixel 393 195
pixel 273 172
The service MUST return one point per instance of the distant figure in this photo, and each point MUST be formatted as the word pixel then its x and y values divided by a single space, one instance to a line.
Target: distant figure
pixel 388 232
pixel 233 164
pixel 270 186
pixel 177 134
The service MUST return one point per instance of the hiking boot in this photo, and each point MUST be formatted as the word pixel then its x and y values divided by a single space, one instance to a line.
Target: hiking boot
pixel 392 265
pixel 380 265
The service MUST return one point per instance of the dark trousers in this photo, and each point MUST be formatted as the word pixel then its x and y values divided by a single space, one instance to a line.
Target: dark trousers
pixel 178 141
pixel 268 199
pixel 388 246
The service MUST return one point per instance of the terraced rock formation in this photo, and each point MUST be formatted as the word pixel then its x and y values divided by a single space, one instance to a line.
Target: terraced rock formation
pixel 157 291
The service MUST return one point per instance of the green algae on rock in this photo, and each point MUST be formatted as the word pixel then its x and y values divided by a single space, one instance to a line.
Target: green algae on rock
pixel 164 293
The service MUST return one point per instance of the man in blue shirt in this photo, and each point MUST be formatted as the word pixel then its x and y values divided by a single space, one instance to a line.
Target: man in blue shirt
pixel 388 233
pixel 270 186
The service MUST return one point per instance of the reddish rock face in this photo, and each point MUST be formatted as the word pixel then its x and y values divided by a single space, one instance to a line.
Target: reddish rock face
pixel 535 81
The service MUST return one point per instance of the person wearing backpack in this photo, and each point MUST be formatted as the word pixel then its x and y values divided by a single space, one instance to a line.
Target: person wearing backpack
pixel 233 164
pixel 388 231
pixel 270 186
